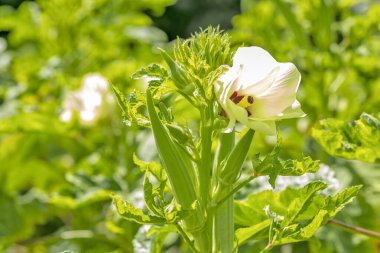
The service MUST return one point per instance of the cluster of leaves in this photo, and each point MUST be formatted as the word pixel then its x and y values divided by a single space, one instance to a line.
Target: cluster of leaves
pixel 272 166
pixel 289 216
pixel 357 140
pixel 162 211
pixel 158 198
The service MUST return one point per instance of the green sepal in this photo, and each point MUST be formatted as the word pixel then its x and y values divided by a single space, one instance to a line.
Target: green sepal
pixel 231 168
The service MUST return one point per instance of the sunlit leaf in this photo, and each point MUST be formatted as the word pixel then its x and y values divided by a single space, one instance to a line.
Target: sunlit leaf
pixel 154 74
pixel 129 212
pixel 273 166
pixel 356 140
pixel 288 216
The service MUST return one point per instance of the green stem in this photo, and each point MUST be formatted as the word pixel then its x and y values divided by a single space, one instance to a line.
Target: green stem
pixel 354 229
pixel 267 248
pixel 205 173
pixel 224 232
pixel 233 191
pixel 186 238
pixel 205 166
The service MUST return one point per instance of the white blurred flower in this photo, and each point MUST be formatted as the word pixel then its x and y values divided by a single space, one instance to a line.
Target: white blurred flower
pixel 137 198
pixel 324 174
pixel 87 100
pixel 257 90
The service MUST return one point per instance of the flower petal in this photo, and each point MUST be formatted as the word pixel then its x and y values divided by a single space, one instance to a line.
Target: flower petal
pixel 280 95
pixel 293 111
pixel 264 127
pixel 226 83
pixel 258 69
pixel 236 112
pixel 224 87
pixel 255 89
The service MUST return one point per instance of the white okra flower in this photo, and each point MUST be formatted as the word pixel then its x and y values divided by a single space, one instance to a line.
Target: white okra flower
pixel 257 90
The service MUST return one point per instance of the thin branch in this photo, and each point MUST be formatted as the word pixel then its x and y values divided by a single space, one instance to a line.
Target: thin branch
pixel 187 239
pixel 354 229
pixel 234 190
pixel 188 98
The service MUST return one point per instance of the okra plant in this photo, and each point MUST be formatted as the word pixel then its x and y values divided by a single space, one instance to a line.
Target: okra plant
pixel 205 160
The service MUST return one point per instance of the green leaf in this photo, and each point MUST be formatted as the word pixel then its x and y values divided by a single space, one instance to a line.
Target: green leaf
pixel 244 234
pixel 154 73
pixel 152 167
pixel 121 99
pixel 150 194
pixel 272 166
pixel 293 214
pixel 299 167
pixel 72 203
pixel 132 107
pixel 302 201
pixel 331 207
pixel 357 140
pixel 159 235
pixel 129 212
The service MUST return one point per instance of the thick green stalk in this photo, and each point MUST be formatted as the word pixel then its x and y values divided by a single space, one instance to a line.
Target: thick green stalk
pixel 224 215
pixel 224 232
pixel 205 165
pixel 205 171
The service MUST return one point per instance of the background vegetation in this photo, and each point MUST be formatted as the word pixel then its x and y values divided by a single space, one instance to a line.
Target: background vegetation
pixel 57 172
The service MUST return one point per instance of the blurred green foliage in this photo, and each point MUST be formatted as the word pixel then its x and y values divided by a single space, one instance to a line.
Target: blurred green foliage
pixel 186 16
pixel 56 176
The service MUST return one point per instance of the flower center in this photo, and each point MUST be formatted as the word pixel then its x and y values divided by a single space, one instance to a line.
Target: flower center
pixel 242 101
